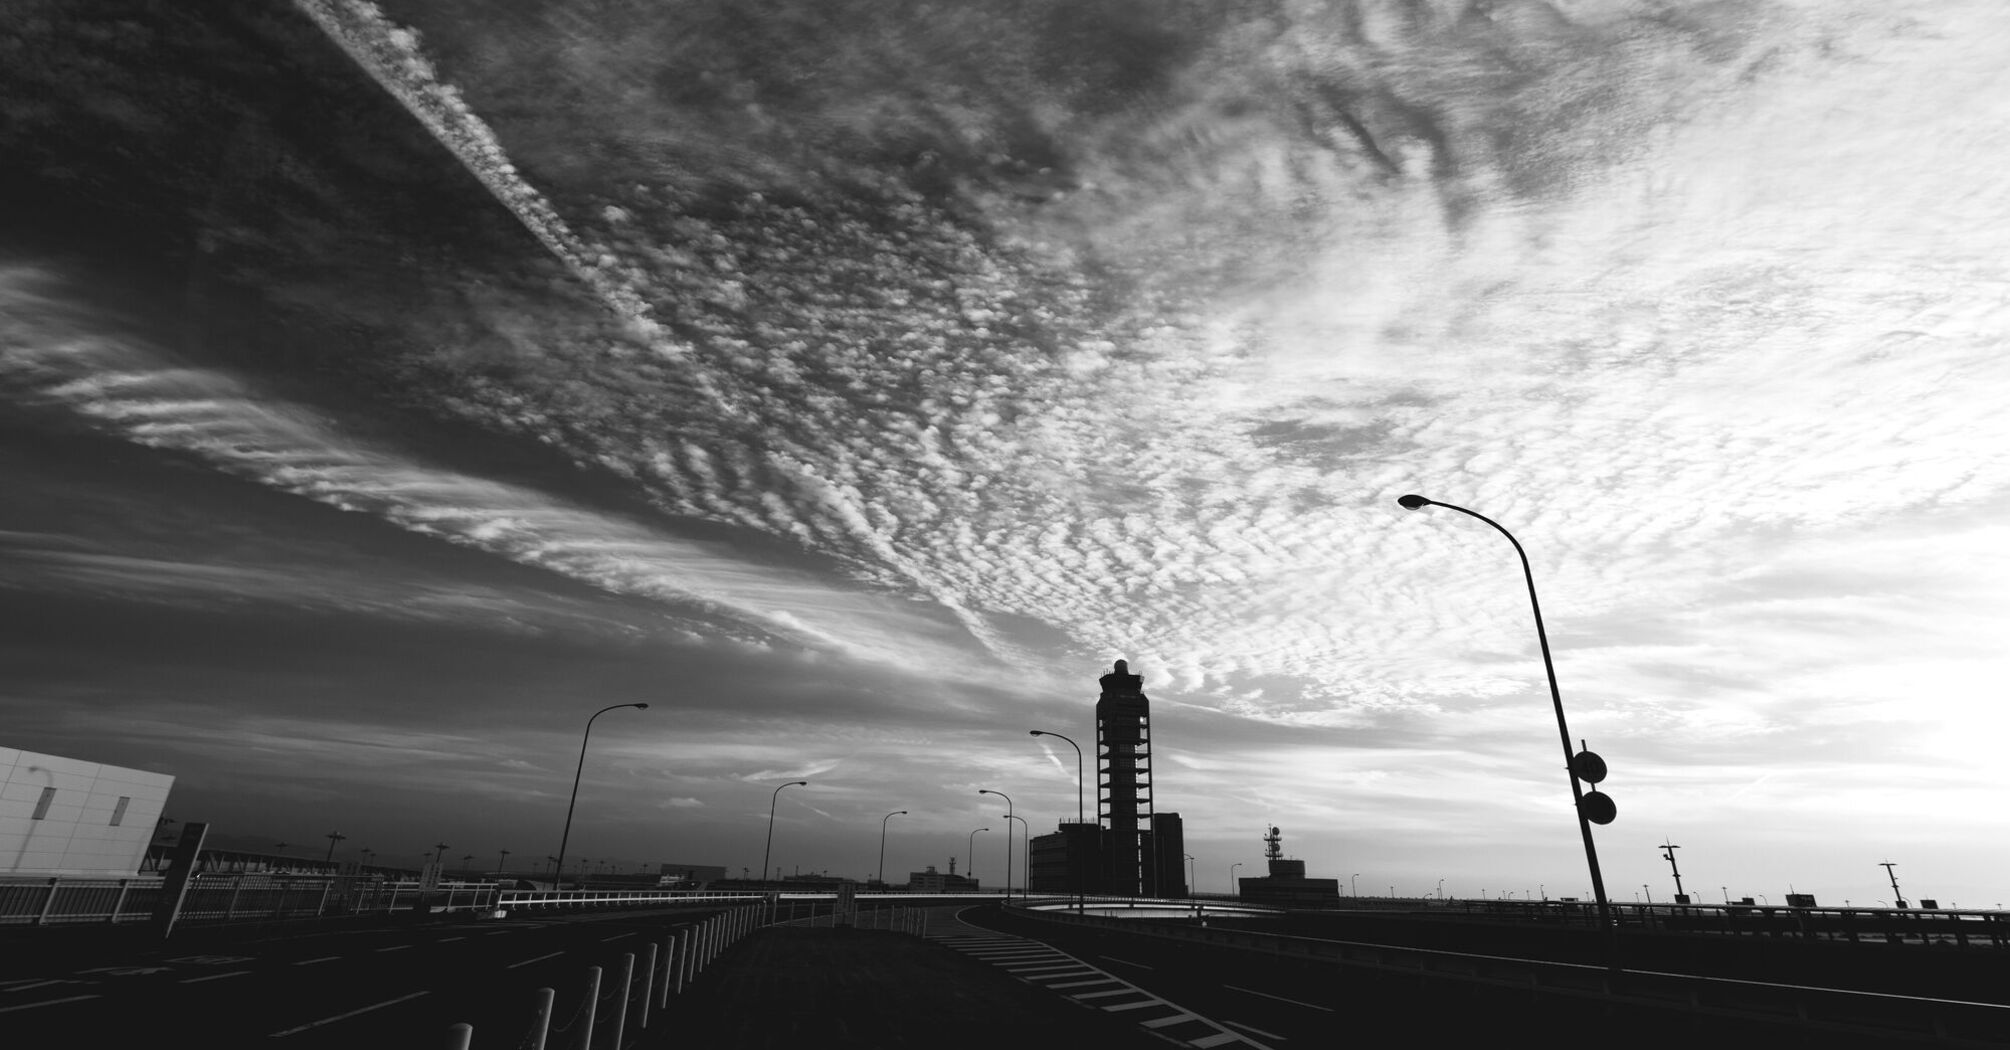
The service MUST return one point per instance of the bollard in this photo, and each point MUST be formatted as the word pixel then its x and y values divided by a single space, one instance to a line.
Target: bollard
pixel 648 986
pixel 683 959
pixel 669 967
pixel 540 1023
pixel 621 1002
pixel 592 1004
pixel 459 1036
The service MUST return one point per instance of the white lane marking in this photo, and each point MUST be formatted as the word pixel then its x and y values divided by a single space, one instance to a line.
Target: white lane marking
pixel 395 948
pixel 352 1013
pixel 527 962
pixel 1217 1039
pixel 1125 990
pixel 1037 967
pixel 1126 962
pixel 214 977
pixel 30 982
pixel 323 959
pixel 1279 998
pixel 1161 1022
pixel 1058 975
pixel 1253 1030
pixel 497 933
pixel 1138 1006
pixel 616 937
pixel 1105 979
pixel 444 940
pixel 45 1002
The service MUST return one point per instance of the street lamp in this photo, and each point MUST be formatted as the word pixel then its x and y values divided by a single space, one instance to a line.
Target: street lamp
pixel 440 857
pixel 1232 890
pixel 333 837
pixel 882 841
pixel 1589 767
pixel 970 857
pixel 558 873
pixel 1079 817
pixel 1441 889
pixel 501 864
pixel 1189 874
pixel 1009 818
pixel 1356 883
pixel 772 799
pixel 1025 853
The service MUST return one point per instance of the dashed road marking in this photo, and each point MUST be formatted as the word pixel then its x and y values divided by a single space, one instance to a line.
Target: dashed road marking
pixel 616 937
pixel 1126 962
pixel 1126 990
pixel 395 948
pixel 214 977
pixel 1279 998
pixel 527 962
pixel 30 982
pixel 46 1002
pixel 323 959
pixel 444 940
pixel 352 1013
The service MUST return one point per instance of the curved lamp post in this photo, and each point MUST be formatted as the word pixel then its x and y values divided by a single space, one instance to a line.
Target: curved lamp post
pixel 1079 818
pixel 772 799
pixel 970 856
pixel 1025 853
pixel 1571 764
pixel 882 840
pixel 1232 890
pixel 558 872
pixel 1009 818
pixel 1189 875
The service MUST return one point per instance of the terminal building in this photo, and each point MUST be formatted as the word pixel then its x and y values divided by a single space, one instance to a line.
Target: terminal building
pixel 68 816
pixel 1131 850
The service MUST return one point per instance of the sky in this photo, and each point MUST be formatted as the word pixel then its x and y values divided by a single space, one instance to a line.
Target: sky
pixel 385 388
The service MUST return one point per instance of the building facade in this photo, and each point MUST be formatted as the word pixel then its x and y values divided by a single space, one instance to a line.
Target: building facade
pixel 68 816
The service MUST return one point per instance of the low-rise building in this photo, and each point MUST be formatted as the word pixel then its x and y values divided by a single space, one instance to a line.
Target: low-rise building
pixel 71 816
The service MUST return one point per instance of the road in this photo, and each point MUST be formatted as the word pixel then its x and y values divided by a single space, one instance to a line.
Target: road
pixel 389 986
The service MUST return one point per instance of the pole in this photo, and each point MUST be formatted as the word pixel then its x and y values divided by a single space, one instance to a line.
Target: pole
pixel 882 843
pixel 1232 889
pixel 970 856
pixel 1556 701
pixel 1009 818
pixel 333 837
pixel 768 853
pixel 1896 897
pixel 1079 817
pixel 1668 854
pixel 558 872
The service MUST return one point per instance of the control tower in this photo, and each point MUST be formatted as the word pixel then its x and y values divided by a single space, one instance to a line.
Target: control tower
pixel 1123 777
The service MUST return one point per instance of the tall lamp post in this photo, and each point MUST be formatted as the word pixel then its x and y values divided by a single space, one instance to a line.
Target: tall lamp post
pixel 882 840
pixel 333 837
pixel 1079 818
pixel 1009 818
pixel 1025 853
pixel 501 861
pixel 1232 890
pixel 772 799
pixel 970 856
pixel 1355 882
pixel 1189 875
pixel 1588 767
pixel 558 873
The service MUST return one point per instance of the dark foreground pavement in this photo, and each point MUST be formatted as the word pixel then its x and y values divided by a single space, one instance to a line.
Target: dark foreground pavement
pixel 790 987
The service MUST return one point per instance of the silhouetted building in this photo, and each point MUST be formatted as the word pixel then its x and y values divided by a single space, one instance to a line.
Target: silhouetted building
pixel 688 876
pixel 1066 861
pixel 1286 884
pixel 932 881
pixel 1164 847
pixel 1123 778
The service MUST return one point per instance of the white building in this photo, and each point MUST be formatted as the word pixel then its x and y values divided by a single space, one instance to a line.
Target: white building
pixel 65 816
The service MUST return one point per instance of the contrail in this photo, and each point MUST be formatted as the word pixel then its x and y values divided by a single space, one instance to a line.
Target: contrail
pixel 390 54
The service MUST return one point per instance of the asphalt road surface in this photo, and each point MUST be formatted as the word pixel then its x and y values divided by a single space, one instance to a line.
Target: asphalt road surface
pixel 392 986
